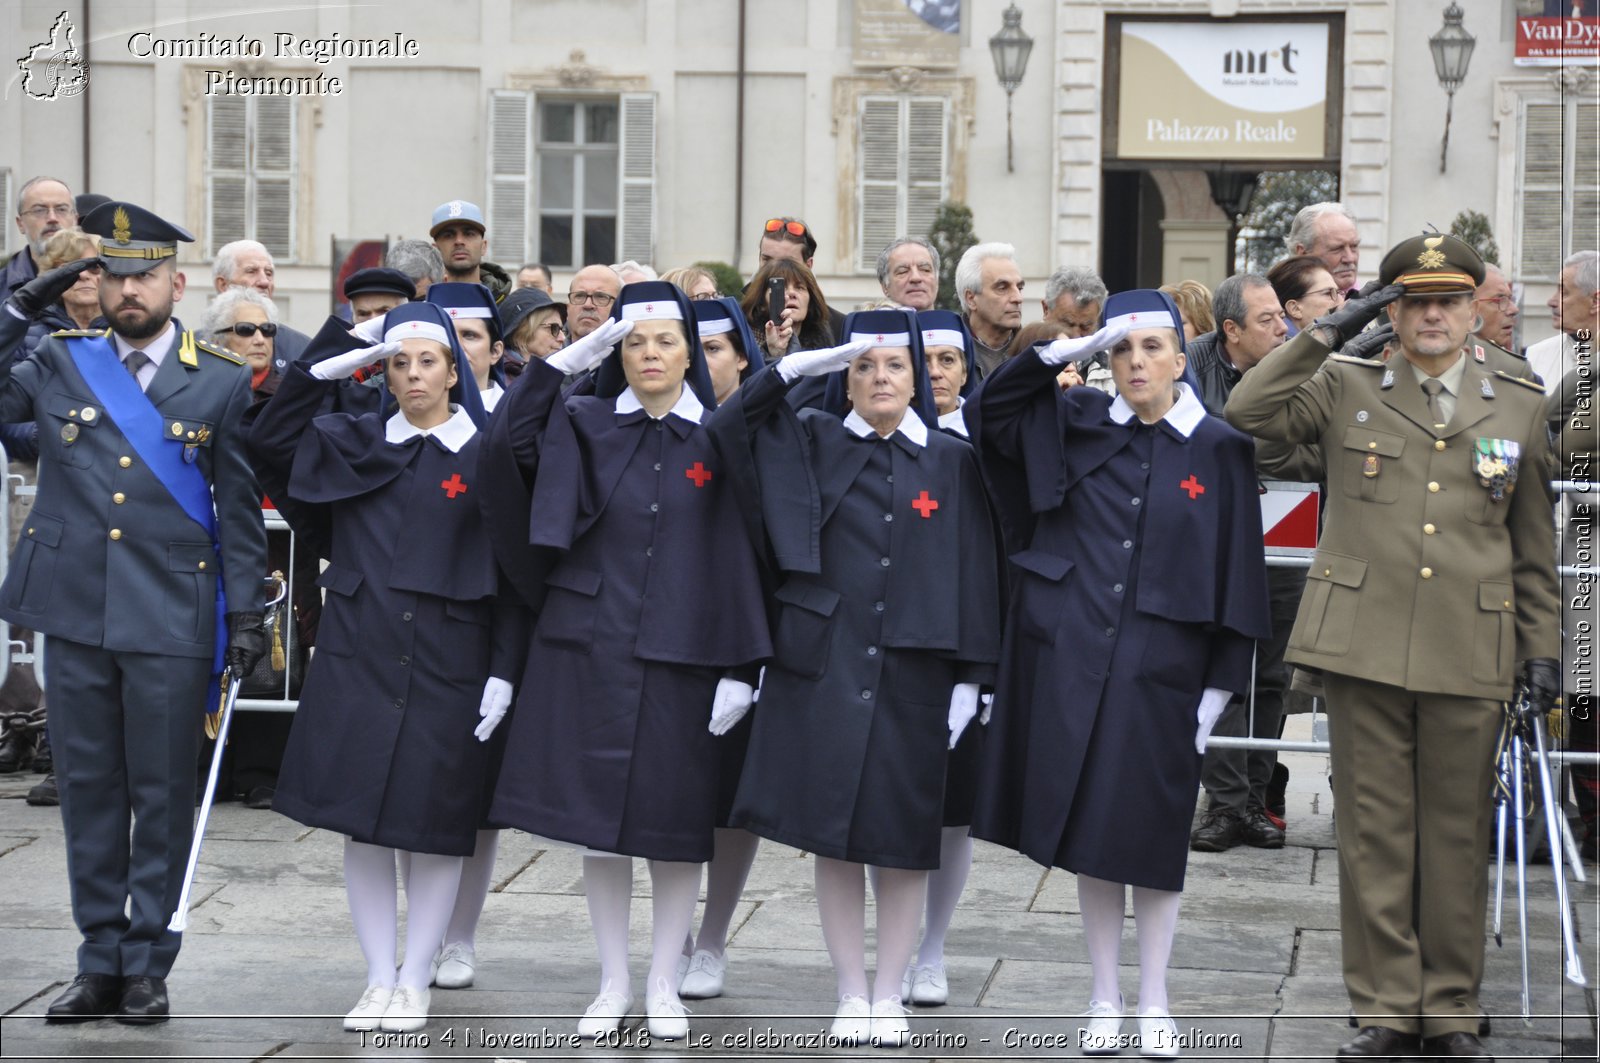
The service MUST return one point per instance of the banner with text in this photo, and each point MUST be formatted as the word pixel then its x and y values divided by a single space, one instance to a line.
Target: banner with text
pixel 1571 41
pixel 1222 90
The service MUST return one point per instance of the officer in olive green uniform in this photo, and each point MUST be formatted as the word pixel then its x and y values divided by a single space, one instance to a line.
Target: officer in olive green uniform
pixel 1434 577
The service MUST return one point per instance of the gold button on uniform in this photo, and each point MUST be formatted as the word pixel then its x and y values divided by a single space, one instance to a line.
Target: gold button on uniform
pixel 1327 572
pixel 177 429
pixel 116 533
pixel 1428 529
pixel 1506 603
pixel 1433 487
pixel 125 461
pixel 1427 573
pixel 202 566
pixel 119 498
pixel 1438 444
pixel 1372 446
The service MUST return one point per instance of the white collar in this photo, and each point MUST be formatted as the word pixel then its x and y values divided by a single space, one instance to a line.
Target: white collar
pixel 910 426
pixel 453 434
pixel 1185 414
pixel 688 405
pixel 490 396
pixel 954 420
pixel 155 349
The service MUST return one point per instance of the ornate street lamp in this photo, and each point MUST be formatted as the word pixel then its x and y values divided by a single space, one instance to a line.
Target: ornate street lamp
pixel 1452 51
pixel 1010 48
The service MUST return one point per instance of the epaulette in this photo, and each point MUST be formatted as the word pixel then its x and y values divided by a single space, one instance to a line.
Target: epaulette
pixel 70 333
pixel 1495 346
pixel 221 352
pixel 1530 385
pixel 1370 363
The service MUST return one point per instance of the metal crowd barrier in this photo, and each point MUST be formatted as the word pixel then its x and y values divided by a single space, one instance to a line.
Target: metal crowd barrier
pixel 15 651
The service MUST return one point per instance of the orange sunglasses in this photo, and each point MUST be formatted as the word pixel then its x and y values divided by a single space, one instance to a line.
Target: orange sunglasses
pixel 793 228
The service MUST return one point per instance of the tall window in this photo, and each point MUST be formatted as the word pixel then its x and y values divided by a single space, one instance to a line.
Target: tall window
pixel 251 172
pixel 1560 182
pixel 901 170
pixel 572 179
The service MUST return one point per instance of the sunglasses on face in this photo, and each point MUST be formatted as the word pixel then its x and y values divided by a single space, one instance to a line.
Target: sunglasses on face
pixel 788 225
pixel 554 328
pixel 248 329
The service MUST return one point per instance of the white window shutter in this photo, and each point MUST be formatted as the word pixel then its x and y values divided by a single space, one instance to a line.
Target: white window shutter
pixel 879 217
pixel 636 238
pixel 1541 194
pixel 273 150
pixel 510 173
pixel 925 164
pixel 1584 232
pixel 227 122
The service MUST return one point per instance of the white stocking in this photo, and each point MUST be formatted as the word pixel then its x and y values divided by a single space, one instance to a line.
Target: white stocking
pixel 1102 904
pixel 842 908
pixel 430 893
pixel 674 887
pixel 944 891
pixel 608 885
pixel 1155 919
pixel 369 887
pixel 725 878
pixel 477 874
pixel 899 894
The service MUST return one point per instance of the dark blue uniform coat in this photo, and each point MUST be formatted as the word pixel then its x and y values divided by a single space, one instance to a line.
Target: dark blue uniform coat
pixel 649 589
pixel 882 611
pixel 1132 594
pixel 382 747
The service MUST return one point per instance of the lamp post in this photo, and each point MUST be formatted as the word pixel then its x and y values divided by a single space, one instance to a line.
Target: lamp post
pixel 1452 51
pixel 1010 48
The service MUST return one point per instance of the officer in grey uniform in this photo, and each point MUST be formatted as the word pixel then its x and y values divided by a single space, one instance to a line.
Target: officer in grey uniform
pixel 147 509
pixel 1434 578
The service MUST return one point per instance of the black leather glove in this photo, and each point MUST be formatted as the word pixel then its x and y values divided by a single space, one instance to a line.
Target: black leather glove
pixel 1539 685
pixel 33 298
pixel 247 643
pixel 1369 344
pixel 1342 324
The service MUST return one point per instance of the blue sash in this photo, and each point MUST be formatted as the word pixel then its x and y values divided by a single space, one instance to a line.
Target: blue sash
pixel 139 420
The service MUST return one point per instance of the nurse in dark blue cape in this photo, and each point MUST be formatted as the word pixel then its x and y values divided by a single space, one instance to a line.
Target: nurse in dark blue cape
pixel 472 308
pixel 732 355
pixel 415 656
pixel 877 666
pixel 947 343
pixel 1137 594
pixel 651 625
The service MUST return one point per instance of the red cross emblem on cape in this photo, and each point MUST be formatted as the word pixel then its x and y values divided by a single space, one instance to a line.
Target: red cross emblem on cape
pixel 453 486
pixel 1194 487
pixel 925 505
pixel 699 474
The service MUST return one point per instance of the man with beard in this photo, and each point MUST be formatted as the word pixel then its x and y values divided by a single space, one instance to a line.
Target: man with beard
pixel 44 207
pixel 142 563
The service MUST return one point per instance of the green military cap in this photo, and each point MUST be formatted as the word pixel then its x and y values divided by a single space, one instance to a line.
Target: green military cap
pixel 132 239
pixel 1433 263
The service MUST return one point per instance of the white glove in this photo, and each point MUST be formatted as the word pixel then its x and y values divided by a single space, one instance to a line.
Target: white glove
pixel 963 707
pixel 792 367
pixel 731 703
pixel 580 356
pixel 1212 702
pixel 370 331
pixel 342 366
pixel 1064 350
pixel 496 700
pixel 988 710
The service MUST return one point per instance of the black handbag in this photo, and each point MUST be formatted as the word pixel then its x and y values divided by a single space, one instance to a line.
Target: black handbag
pixel 280 671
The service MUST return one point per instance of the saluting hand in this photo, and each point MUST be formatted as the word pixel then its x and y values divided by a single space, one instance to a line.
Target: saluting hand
pixel 730 704
pixel 370 331
pixel 33 298
pixel 1369 344
pixel 1076 350
pixel 341 366
pixel 963 707
pixel 496 700
pixel 792 367
pixel 580 356
pixel 1341 325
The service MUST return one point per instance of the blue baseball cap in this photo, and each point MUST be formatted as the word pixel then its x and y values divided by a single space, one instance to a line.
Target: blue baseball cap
pixel 457 210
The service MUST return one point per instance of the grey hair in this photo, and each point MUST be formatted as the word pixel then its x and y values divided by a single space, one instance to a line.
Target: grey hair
pixel 969 271
pixel 636 267
pixel 1586 270
pixel 1084 284
pixel 416 259
pixel 228 257
pixel 883 256
pixel 222 310
pixel 1227 302
pixel 1303 227
pixel 41 179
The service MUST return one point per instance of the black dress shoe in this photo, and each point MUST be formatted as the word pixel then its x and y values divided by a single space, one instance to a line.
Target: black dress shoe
pixel 259 797
pixel 16 749
pixel 45 792
pixel 1259 832
pixel 90 996
pixel 1220 829
pixel 1452 1045
pixel 144 1000
pixel 1378 1042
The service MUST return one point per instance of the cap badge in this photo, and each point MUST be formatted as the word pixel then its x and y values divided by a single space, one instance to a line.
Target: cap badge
pixel 121 227
pixel 880 337
pixel 1432 258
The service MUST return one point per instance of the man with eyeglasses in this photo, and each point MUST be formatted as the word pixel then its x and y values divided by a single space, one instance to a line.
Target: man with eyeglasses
pixel 1492 343
pixel 44 208
pixel 589 299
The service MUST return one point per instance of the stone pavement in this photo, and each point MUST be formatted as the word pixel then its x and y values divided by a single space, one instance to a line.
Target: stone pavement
pixel 271 961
